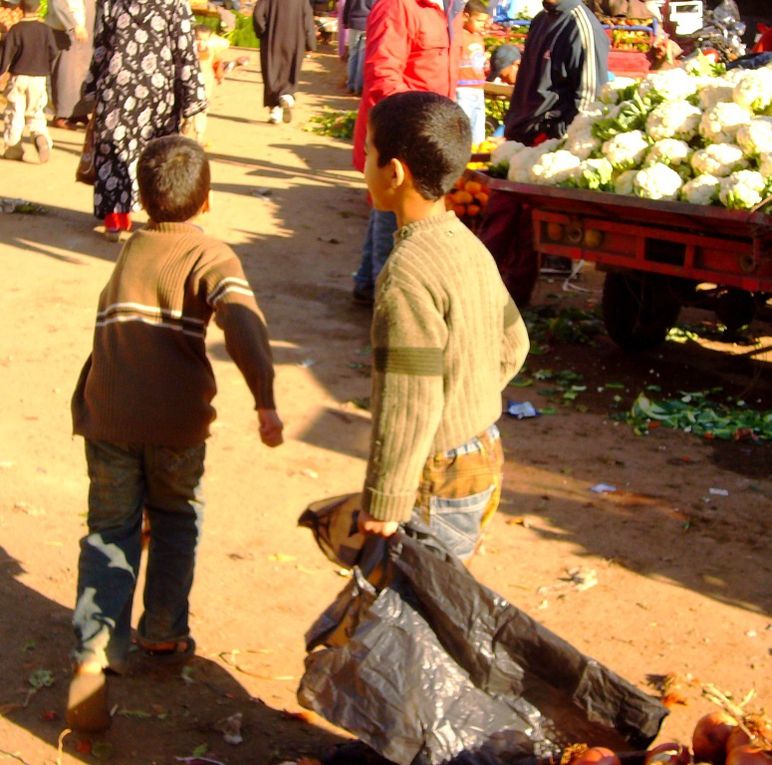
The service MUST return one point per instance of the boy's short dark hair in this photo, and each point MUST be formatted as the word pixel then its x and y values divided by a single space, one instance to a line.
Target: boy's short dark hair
pixel 30 6
pixel 476 6
pixel 203 29
pixel 173 176
pixel 429 133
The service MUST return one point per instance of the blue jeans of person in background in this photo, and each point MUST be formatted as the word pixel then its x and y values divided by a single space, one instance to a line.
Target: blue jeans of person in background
pixel 378 244
pixel 127 479
pixel 472 101
pixel 356 61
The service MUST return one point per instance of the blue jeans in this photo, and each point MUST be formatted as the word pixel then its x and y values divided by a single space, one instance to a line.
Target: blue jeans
pixel 356 60
pixel 125 480
pixel 472 101
pixel 378 244
pixel 460 491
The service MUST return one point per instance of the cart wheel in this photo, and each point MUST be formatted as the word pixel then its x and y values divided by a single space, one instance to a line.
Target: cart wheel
pixel 639 309
pixel 735 308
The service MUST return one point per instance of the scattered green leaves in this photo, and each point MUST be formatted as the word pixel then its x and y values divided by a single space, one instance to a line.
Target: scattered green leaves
pixel 570 325
pixel 695 412
pixel 41 678
pixel 333 123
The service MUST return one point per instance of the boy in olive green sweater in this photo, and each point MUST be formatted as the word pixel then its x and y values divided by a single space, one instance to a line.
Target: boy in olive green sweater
pixel 446 335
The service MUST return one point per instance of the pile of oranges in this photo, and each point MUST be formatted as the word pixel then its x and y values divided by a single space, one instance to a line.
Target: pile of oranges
pixel 468 198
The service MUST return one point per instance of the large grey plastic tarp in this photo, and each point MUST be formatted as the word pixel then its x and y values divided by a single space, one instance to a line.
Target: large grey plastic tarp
pixel 435 667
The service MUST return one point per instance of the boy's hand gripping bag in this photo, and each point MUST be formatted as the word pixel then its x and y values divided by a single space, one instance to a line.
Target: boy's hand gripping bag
pixel 435 668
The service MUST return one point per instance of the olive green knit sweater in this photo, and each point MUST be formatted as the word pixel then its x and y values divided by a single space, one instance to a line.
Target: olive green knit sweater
pixel 446 339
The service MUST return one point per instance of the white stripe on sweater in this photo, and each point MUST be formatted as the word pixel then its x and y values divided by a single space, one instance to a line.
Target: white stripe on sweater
pixel 226 285
pixel 148 310
pixel 158 322
pixel 588 85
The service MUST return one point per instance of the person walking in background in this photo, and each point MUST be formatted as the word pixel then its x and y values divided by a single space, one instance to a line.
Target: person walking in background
pixel 73 25
pixel 210 48
pixel 144 79
pixel 27 52
pixel 143 405
pixel 286 31
pixel 355 15
pixel 410 45
pixel 471 72
pixel 563 67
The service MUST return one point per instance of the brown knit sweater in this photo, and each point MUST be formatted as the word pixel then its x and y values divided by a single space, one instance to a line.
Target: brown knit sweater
pixel 446 338
pixel 148 379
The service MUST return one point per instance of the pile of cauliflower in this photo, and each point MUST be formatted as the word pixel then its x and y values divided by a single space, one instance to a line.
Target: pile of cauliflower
pixel 675 135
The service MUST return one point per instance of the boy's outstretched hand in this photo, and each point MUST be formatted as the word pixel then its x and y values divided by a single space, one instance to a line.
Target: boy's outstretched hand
pixel 271 427
pixel 370 525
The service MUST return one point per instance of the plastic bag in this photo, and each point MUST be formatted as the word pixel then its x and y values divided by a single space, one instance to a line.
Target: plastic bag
pixel 435 667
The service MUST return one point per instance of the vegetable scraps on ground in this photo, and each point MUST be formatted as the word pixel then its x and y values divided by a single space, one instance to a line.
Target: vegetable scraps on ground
pixel 695 412
pixel 701 135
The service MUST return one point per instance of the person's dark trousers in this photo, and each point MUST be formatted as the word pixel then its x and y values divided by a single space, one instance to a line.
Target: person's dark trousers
pixel 125 480
pixel 507 231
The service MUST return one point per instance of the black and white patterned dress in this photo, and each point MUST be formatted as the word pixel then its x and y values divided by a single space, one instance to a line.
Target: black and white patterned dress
pixel 144 79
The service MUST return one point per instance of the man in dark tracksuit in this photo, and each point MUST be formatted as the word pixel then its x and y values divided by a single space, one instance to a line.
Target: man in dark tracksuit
pixel 564 66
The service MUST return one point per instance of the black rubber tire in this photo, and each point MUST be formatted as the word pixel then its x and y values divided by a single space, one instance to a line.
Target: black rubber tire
pixel 735 308
pixel 639 309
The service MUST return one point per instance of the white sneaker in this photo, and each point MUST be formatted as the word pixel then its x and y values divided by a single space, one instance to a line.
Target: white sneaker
pixel 286 102
pixel 275 115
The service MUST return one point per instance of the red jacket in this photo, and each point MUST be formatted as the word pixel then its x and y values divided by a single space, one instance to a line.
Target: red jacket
pixel 411 45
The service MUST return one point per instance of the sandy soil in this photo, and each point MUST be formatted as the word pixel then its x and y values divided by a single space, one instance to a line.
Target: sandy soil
pixel 683 574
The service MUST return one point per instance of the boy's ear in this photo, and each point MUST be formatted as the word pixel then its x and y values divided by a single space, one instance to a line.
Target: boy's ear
pixel 206 206
pixel 399 172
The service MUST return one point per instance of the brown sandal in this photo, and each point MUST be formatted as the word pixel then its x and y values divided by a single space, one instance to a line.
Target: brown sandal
pixel 169 652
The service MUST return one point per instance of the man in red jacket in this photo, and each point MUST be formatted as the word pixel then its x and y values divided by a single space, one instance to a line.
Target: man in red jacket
pixel 411 45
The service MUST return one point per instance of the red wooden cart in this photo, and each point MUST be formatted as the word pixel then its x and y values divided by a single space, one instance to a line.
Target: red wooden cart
pixel 657 255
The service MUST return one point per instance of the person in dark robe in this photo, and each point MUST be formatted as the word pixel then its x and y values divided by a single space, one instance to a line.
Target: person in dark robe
pixel 286 31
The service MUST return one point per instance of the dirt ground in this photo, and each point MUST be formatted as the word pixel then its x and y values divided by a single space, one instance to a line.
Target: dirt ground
pixel 683 571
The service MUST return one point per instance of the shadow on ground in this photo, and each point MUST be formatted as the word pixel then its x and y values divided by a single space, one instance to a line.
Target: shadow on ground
pixel 159 712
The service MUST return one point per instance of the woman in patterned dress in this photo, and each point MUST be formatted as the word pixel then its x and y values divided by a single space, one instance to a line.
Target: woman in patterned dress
pixel 145 79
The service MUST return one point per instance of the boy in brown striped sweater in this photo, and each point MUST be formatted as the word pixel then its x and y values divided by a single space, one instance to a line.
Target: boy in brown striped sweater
pixel 143 404
pixel 446 335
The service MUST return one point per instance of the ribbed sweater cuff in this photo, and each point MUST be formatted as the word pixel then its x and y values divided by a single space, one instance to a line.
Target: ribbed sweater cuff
pixel 388 507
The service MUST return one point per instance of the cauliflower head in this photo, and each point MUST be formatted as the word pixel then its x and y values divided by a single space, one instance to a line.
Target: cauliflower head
pixel 673 119
pixel 756 137
pixel 657 181
pixel 626 150
pixel 554 167
pixel 594 174
pixel 765 165
pixel 623 182
pixel 715 91
pixel 742 190
pixel 619 89
pixel 669 151
pixel 505 151
pixel 754 90
pixel 521 162
pixel 702 190
pixel 669 85
pixel 721 123
pixel 719 159
pixel 582 144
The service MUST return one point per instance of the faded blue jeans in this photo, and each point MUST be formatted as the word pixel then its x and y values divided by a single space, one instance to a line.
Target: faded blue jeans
pixel 127 479
pixel 378 244
pixel 356 61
